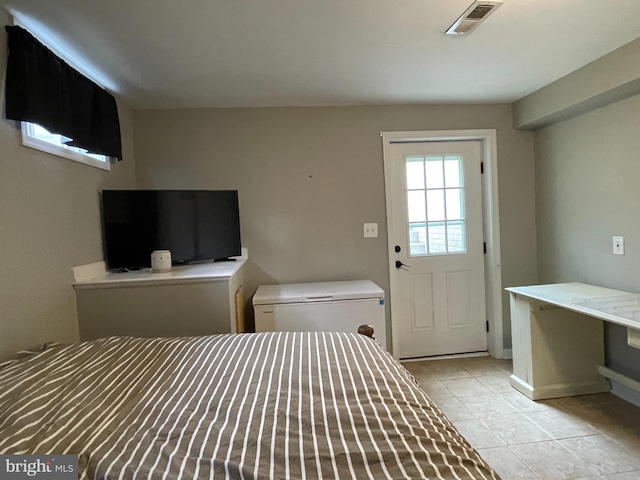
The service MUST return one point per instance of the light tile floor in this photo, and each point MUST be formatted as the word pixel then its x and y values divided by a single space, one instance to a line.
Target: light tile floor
pixel 583 438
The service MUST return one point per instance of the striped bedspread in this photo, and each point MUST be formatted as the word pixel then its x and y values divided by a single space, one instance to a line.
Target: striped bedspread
pixel 249 406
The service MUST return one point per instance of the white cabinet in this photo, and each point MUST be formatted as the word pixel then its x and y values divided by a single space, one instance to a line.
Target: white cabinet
pixel 190 300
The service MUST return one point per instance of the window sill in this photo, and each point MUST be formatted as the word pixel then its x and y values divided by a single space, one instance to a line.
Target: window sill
pixel 60 151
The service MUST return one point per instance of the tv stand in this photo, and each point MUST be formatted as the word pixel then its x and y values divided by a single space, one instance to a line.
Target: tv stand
pixel 190 300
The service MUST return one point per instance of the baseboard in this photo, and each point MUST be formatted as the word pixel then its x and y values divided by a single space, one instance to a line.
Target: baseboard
pixel 522 386
pixel 622 386
pixel 625 393
pixel 559 390
pixel 507 353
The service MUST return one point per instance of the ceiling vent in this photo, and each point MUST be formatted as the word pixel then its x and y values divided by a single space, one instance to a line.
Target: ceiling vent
pixel 473 16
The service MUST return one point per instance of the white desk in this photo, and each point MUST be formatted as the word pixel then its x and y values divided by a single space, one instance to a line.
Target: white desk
pixel 558 339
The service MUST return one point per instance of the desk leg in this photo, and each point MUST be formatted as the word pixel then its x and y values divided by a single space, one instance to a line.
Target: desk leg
pixel 556 352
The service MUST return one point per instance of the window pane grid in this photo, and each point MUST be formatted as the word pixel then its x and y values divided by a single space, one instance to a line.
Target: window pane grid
pixel 435 205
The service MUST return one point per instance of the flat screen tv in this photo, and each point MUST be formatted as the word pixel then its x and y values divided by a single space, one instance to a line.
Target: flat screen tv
pixel 195 225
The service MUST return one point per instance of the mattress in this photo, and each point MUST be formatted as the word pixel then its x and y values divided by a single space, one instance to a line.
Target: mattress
pixel 265 405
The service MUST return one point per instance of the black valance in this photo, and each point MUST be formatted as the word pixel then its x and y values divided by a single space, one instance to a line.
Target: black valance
pixel 41 88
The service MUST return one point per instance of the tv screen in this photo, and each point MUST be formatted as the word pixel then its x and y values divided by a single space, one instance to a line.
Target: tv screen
pixel 193 224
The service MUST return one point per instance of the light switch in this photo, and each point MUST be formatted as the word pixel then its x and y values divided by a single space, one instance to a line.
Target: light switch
pixel 370 230
pixel 618 245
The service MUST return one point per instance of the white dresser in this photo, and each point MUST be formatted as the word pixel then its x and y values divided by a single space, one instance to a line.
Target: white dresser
pixel 189 300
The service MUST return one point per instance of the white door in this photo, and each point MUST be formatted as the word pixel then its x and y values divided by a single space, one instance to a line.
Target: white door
pixel 437 257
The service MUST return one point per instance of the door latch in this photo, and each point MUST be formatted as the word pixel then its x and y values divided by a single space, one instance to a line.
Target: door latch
pixel 399 264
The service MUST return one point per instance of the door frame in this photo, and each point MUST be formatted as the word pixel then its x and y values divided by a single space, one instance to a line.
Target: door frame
pixel 491 223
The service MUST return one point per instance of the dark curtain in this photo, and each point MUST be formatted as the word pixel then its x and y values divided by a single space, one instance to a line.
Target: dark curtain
pixel 41 88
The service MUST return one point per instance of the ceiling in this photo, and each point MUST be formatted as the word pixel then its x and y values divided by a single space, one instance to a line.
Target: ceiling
pixel 254 53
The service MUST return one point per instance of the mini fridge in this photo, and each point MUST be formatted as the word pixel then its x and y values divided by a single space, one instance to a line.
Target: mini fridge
pixel 321 307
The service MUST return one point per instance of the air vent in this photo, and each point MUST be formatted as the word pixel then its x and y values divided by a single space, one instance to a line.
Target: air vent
pixel 473 16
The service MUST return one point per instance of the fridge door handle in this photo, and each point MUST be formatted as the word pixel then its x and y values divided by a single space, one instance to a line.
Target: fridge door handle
pixel 319 298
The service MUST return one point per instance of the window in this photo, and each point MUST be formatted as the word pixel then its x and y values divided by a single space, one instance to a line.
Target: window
pixel 37 137
pixel 48 95
pixel 435 201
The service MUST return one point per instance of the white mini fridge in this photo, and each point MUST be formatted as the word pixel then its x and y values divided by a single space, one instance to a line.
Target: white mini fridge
pixel 321 307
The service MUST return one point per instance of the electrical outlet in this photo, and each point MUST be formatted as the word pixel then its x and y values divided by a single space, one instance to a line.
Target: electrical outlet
pixel 371 230
pixel 618 245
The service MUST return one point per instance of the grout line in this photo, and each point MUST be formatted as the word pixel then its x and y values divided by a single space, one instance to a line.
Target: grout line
pixel 525 463
pixel 634 452
pixel 558 405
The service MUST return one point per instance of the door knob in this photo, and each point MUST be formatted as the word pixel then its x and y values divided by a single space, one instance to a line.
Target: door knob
pixel 399 264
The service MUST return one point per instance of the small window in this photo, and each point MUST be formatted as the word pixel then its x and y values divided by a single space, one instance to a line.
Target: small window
pixel 436 205
pixel 35 136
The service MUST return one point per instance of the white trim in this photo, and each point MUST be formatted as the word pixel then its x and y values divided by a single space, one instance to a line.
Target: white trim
pixel 82 273
pixel 244 255
pixel 60 151
pixel 493 274
pixel 445 357
pixel 559 390
pixel 208 272
pixel 628 394
pixel 620 378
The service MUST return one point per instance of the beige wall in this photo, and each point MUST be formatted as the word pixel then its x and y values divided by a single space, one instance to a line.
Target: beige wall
pixel 309 177
pixel 599 83
pixel 588 175
pixel 587 179
pixel 49 222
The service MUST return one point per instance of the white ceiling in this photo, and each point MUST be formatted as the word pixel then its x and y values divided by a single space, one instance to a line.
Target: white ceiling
pixel 238 53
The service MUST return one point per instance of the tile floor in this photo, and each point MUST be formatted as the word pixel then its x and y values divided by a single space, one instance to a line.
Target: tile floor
pixel 587 437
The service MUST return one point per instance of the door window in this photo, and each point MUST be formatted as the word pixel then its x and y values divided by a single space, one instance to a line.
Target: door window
pixel 435 205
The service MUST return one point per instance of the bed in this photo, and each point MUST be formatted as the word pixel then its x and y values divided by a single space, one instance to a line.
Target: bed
pixel 265 405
